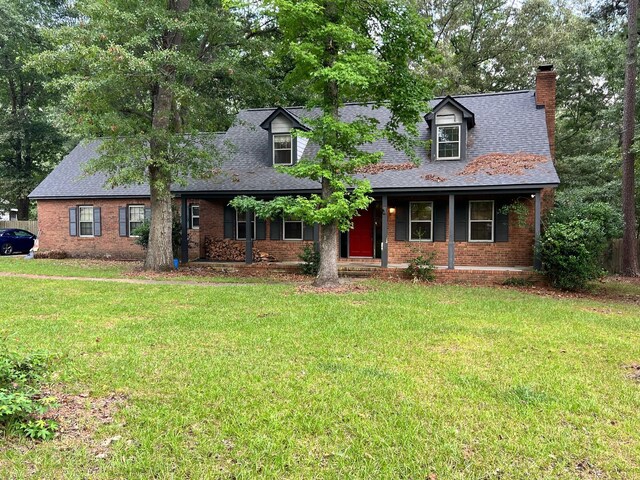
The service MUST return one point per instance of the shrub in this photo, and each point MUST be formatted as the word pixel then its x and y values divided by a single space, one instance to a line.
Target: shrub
pixel 21 401
pixel 517 282
pixel 142 233
pixel 571 253
pixel 310 261
pixel 422 269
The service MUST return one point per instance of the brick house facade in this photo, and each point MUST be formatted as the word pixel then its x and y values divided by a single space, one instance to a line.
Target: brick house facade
pixel 488 153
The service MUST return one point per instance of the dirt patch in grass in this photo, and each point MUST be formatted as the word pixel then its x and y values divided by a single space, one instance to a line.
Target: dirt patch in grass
pixel 79 416
pixel 586 469
pixel 633 371
pixel 596 293
pixel 503 163
pixel 345 287
pixel 206 272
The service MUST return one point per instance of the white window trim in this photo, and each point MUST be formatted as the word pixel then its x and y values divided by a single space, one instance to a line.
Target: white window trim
pixel 130 231
pixel 93 221
pixel 192 216
pixel 459 142
pixel 284 236
pixel 273 148
pixel 253 237
pixel 416 221
pixel 493 218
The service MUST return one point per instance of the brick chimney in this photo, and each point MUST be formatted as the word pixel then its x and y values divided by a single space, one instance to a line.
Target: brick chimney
pixel 546 97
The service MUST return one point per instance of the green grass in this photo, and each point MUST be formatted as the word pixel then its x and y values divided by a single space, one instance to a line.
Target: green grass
pixel 402 381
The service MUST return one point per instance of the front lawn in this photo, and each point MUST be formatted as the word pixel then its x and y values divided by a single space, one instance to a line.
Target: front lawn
pixel 398 381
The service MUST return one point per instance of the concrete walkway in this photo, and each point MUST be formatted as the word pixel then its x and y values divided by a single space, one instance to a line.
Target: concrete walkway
pixel 135 281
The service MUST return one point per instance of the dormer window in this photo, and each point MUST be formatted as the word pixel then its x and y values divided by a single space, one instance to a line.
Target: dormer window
pixel 282 149
pixel 448 138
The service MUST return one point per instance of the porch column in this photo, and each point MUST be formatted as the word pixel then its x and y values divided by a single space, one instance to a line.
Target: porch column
pixel 452 245
pixel 184 223
pixel 537 262
pixel 248 258
pixel 384 263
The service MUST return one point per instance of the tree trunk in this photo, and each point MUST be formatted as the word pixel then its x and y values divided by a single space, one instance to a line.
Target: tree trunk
pixel 328 272
pixel 164 124
pixel 629 238
pixel 23 208
pixel 160 249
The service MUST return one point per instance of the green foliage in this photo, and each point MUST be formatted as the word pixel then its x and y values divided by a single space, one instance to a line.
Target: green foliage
pixel 517 282
pixel 519 209
pixel 21 401
pixel 421 268
pixel 142 233
pixel 310 261
pixel 344 51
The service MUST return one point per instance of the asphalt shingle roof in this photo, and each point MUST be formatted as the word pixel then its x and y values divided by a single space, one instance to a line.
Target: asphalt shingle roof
pixel 506 122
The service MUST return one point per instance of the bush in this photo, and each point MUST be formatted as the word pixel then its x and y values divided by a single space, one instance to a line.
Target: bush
pixel 310 261
pixel 21 401
pixel 571 253
pixel 422 269
pixel 143 230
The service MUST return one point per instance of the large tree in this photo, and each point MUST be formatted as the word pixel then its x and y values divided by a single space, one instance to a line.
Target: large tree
pixel 629 236
pixel 148 77
pixel 348 50
pixel 30 141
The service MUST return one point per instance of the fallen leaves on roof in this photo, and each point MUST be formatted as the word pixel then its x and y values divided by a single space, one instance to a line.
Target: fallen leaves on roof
pixel 383 167
pixel 503 163
pixel 434 178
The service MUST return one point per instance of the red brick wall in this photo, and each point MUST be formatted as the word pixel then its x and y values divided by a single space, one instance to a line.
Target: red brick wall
pixel 546 96
pixel 53 225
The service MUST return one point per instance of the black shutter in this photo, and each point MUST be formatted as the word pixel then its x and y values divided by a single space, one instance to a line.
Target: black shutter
pixel 439 221
pixel 229 222
pixel 97 222
pixel 73 221
pixel 261 229
pixel 461 221
pixel 344 245
pixel 147 214
pixel 122 221
pixel 502 222
pixel 307 233
pixel 276 229
pixel 402 222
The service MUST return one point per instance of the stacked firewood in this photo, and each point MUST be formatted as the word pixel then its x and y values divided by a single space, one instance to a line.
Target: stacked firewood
pixel 230 251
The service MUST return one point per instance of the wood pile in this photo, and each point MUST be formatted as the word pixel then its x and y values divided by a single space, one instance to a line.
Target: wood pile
pixel 231 251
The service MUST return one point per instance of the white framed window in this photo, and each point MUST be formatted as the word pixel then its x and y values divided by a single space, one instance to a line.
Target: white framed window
pixel 136 218
pixel 292 229
pixel 421 221
pixel 282 149
pixel 448 142
pixel 195 217
pixel 85 212
pixel 241 226
pixel 481 221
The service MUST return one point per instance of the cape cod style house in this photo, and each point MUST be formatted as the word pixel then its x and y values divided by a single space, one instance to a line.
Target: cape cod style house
pixel 488 152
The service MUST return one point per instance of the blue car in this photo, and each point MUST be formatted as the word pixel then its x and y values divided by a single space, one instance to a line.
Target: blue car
pixel 15 240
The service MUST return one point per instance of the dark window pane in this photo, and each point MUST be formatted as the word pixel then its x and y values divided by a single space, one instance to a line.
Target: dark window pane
pixel 421 211
pixel 293 230
pixel 448 134
pixel 281 157
pixel 86 228
pixel 420 230
pixel 242 230
pixel 133 226
pixel 448 150
pixel 481 210
pixel 481 230
pixel 195 222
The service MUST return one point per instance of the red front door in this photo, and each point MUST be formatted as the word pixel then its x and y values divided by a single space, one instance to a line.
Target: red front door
pixel 361 235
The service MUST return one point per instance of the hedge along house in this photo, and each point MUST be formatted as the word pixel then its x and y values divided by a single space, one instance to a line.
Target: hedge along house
pixel 488 153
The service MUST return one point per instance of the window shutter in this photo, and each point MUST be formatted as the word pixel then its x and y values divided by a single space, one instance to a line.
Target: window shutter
pixel 97 222
pixel 73 221
pixel 439 221
pixel 502 222
pixel 261 229
pixel 402 222
pixel 122 221
pixel 189 212
pixel 344 245
pixel 229 222
pixel 147 214
pixel 307 232
pixel 461 221
pixel 276 229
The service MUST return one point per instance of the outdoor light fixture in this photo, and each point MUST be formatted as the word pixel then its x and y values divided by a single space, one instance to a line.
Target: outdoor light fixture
pixel 392 210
